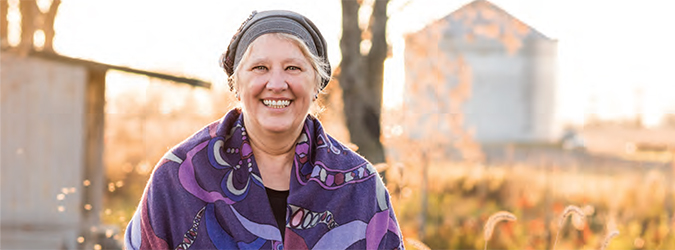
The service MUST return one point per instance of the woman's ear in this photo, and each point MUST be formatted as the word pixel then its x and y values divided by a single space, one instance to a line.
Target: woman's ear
pixel 230 82
pixel 316 94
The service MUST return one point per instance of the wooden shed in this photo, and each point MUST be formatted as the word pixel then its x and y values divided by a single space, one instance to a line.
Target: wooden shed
pixel 51 130
pixel 51 125
pixel 486 70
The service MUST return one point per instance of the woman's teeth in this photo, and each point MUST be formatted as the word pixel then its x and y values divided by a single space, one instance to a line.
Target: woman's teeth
pixel 277 104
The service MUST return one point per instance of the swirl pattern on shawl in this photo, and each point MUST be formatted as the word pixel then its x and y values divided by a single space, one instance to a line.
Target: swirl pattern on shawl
pixel 207 192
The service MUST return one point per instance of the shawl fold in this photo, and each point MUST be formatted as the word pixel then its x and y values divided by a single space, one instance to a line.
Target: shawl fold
pixel 207 193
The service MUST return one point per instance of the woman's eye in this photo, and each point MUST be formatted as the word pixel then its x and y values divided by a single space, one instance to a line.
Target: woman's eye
pixel 292 68
pixel 259 68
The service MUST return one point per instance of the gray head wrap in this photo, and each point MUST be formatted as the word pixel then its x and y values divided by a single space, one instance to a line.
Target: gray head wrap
pixel 274 21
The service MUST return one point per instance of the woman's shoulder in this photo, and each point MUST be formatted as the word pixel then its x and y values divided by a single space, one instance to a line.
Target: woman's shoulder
pixel 200 136
pixel 330 151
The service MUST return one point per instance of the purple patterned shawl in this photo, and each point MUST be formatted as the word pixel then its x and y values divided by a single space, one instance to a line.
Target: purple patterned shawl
pixel 207 193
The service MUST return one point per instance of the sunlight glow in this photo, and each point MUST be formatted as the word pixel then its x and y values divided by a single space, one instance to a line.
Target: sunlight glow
pixel 39 39
pixel 143 168
pixel 44 5
pixel 108 233
pixel 13 23
pixel 392 88
pixel 600 64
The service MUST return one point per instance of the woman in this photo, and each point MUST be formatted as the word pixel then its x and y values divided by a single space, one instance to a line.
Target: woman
pixel 267 175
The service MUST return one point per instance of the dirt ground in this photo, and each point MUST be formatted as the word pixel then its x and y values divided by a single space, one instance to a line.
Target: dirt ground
pixel 608 149
pixel 617 140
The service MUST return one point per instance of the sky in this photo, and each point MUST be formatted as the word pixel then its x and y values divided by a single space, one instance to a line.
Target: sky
pixel 614 57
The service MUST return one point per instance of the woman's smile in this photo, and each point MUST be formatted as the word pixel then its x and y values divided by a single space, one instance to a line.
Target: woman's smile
pixel 277 84
pixel 276 104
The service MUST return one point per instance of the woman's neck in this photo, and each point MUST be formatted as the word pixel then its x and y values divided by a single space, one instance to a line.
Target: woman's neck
pixel 274 156
pixel 272 144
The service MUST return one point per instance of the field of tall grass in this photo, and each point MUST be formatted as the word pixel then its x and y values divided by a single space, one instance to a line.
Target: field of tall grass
pixel 461 197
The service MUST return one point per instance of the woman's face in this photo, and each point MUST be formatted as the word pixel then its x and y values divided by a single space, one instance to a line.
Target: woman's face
pixel 276 84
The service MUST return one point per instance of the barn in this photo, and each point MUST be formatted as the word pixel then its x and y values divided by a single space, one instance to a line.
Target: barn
pixel 480 71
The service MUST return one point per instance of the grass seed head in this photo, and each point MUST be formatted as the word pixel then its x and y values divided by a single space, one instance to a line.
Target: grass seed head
pixel 569 210
pixel 494 219
pixel 579 222
pixel 608 238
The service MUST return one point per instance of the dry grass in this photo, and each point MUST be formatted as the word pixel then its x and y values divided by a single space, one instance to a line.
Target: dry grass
pixel 492 222
pixel 416 244
pixel 635 202
pixel 569 210
pixel 608 239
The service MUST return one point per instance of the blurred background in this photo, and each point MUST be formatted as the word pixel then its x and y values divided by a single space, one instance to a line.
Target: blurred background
pixel 466 107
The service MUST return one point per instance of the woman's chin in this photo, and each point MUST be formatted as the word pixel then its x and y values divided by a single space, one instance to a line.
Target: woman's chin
pixel 277 125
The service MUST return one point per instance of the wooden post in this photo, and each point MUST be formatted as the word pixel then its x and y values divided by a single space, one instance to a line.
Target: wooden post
pixel 94 172
pixel 4 8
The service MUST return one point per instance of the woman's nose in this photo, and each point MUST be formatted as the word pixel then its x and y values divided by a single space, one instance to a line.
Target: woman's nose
pixel 277 81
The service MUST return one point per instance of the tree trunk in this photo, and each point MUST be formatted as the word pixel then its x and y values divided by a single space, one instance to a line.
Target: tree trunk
pixel 29 11
pixel 48 26
pixel 361 78
pixel 32 20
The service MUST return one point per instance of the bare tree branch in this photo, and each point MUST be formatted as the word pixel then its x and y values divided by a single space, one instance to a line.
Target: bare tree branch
pixel 48 25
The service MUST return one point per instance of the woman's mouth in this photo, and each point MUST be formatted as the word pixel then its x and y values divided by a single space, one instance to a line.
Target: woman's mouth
pixel 277 104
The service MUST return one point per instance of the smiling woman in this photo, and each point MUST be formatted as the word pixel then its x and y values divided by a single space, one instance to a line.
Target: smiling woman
pixel 278 86
pixel 267 175
pixel 281 83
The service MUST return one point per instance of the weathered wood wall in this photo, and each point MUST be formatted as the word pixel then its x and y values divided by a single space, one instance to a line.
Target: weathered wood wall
pixel 42 126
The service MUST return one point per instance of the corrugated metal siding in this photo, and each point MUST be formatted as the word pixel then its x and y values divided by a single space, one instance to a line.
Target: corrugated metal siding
pixel 497 108
pixel 42 107
pixel 543 57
